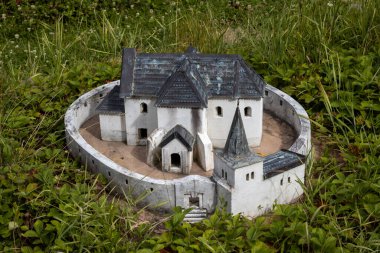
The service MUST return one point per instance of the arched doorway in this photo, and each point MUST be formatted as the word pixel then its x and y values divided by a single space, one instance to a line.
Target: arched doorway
pixel 175 159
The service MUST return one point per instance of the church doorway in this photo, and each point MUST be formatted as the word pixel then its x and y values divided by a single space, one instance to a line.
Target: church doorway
pixel 175 160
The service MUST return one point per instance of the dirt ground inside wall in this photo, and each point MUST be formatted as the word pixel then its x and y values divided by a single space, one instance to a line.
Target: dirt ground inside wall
pixel 276 135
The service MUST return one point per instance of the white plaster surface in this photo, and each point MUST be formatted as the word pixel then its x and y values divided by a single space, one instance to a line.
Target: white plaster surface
pixel 112 127
pixel 244 196
pixel 176 147
pixel 136 119
pixel 253 125
pixel 189 118
pixel 291 112
pixel 219 126
pixel 154 151
pixel 205 152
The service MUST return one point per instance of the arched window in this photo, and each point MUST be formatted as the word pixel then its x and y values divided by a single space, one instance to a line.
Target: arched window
pixel 248 111
pixel 252 175
pixel 247 177
pixel 219 111
pixel 143 107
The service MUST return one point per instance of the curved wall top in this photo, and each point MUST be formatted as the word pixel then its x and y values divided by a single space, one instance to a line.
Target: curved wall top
pixel 288 109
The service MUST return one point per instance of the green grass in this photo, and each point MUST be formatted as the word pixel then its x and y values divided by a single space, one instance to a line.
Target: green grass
pixel 325 54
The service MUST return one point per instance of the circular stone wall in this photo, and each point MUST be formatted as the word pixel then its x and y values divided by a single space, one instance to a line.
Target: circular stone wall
pixel 159 192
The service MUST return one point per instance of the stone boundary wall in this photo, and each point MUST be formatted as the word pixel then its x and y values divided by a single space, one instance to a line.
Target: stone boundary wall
pixel 286 108
pixel 158 192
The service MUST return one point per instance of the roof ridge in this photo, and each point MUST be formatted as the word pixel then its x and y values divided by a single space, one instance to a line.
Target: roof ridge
pixel 182 134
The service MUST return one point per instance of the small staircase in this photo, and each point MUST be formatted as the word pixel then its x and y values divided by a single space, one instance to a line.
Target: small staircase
pixel 195 215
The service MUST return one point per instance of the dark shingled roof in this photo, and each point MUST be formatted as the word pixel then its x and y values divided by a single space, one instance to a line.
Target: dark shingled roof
pixel 180 133
pixel 281 161
pixel 112 103
pixel 236 152
pixel 226 76
pixel 184 88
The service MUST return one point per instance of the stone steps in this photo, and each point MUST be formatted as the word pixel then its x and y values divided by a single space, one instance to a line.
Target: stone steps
pixel 195 215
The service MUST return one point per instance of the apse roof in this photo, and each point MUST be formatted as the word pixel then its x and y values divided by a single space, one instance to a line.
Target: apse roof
pixel 180 133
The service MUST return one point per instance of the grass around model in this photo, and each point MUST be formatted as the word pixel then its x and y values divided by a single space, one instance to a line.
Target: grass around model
pixel 325 54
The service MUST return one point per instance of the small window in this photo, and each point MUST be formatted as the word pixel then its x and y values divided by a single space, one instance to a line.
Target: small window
pixel 126 181
pixel 288 179
pixel 222 173
pixel 282 182
pixel 143 133
pixel 143 108
pixel 266 93
pixel 247 177
pixel 225 175
pixel 281 102
pixel 219 111
pixel 252 175
pixel 248 111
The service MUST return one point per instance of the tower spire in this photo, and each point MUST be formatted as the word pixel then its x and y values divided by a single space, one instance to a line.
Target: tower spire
pixel 237 145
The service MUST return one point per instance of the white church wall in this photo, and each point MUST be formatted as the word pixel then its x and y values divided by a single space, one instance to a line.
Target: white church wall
pixel 191 119
pixel 257 196
pixel 136 118
pixel 244 197
pixel 251 111
pixel 222 170
pixel 112 127
pixel 219 122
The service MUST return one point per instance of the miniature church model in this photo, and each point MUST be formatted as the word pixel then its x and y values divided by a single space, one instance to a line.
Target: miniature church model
pixel 206 109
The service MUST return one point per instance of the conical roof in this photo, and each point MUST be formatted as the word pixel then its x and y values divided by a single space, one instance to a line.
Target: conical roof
pixel 236 152
pixel 237 144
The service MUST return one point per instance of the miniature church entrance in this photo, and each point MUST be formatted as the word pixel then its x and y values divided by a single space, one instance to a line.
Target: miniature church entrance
pixel 193 200
pixel 175 159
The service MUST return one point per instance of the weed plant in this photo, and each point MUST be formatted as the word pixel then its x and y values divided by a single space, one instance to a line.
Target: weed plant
pixel 324 53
